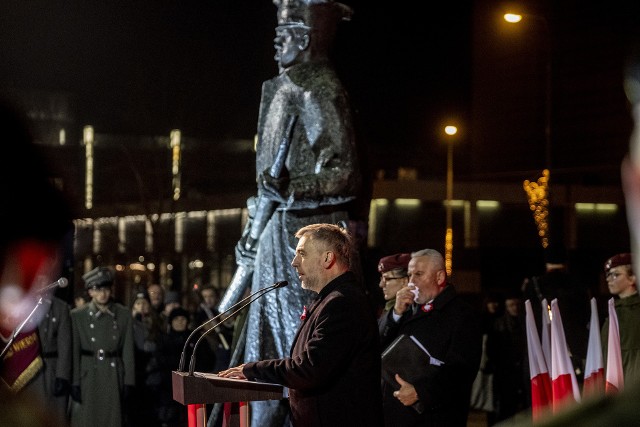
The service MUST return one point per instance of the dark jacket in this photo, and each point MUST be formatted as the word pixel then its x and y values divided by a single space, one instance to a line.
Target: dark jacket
pixel 334 368
pixel 451 332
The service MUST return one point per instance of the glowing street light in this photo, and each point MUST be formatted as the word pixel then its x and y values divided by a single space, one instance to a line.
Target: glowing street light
pixel 449 130
pixel 515 18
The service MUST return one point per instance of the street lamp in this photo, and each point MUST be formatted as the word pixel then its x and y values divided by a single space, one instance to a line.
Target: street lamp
pixel 514 18
pixel 449 130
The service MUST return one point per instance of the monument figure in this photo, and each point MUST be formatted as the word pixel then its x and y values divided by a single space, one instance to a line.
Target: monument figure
pixel 307 171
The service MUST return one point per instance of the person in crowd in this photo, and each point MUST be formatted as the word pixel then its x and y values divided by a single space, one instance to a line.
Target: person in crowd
pixel 30 254
pixel 333 372
pixel 622 283
pixel 482 389
pixel 573 301
pixel 507 351
pixel 103 355
pixel 168 412
pixel 80 298
pixel 156 297
pixel 220 340
pixel 393 277
pixel 146 334
pixel 430 310
pixel 172 299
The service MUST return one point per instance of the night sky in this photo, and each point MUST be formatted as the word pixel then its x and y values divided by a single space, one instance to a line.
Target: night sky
pixel 148 66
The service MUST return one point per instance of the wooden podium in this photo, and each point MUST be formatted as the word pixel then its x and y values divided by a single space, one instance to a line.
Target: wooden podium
pixel 209 388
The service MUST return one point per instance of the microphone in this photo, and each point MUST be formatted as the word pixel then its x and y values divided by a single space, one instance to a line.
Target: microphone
pixel 265 290
pixel 60 283
pixel 257 294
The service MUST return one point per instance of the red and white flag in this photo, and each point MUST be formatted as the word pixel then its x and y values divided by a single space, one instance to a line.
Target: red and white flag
pixel 594 368
pixel 615 376
pixel 539 374
pixel 564 384
pixel 546 331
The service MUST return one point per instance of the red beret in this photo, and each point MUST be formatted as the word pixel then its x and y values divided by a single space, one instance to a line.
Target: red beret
pixel 616 260
pixel 392 262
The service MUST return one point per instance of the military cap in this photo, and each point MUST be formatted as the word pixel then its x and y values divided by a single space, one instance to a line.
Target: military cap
pixel 617 260
pixel 393 262
pixel 323 14
pixel 98 278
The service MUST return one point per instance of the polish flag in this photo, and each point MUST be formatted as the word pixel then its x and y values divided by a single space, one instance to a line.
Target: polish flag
pixel 546 331
pixel 615 377
pixel 564 384
pixel 539 374
pixel 594 368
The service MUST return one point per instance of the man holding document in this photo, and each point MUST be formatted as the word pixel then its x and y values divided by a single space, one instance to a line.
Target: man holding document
pixel 439 335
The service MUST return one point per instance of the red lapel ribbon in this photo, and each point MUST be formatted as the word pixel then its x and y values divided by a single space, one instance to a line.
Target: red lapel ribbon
pixel 304 313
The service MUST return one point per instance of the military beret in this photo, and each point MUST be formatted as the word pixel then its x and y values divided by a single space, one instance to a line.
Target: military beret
pixel 616 260
pixel 393 262
pixel 98 277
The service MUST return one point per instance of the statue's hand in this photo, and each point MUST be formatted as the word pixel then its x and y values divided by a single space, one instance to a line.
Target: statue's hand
pixel 275 189
pixel 245 257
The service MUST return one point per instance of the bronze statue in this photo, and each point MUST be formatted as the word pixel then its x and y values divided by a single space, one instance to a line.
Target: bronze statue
pixel 307 171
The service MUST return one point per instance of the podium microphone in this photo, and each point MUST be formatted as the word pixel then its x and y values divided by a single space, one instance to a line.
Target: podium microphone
pixel 60 283
pixel 257 294
pixel 266 290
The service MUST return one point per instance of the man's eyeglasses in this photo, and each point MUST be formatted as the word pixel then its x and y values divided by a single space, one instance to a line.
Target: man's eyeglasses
pixel 612 275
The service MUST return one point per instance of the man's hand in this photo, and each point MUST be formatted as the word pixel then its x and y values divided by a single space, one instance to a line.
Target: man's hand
pixel 275 189
pixel 407 395
pixel 404 300
pixel 235 372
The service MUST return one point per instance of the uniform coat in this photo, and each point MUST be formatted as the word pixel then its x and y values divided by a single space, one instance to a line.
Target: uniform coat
pixel 54 335
pixel 451 332
pixel 101 381
pixel 55 340
pixel 334 366
pixel 628 312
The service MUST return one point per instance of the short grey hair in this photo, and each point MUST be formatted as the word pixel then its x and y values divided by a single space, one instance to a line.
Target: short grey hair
pixel 436 257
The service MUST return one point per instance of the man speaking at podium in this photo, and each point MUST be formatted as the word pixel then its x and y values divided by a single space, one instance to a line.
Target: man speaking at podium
pixel 333 371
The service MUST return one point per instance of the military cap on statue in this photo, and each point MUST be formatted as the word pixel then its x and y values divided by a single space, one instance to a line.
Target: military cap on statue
pixel 98 277
pixel 617 260
pixel 393 262
pixel 317 14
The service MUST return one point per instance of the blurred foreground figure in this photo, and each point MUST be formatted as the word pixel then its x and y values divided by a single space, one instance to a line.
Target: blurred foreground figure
pixel 34 220
pixel 307 172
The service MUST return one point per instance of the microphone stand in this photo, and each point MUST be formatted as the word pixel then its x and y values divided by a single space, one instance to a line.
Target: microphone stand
pixel 18 329
pixel 259 292
pixel 192 363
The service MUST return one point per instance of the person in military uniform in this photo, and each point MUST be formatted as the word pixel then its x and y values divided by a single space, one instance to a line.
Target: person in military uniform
pixel 623 285
pixel 393 277
pixel 54 332
pixel 103 355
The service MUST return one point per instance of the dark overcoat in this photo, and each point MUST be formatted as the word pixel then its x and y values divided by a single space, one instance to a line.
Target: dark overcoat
pixel 333 372
pixel 450 330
